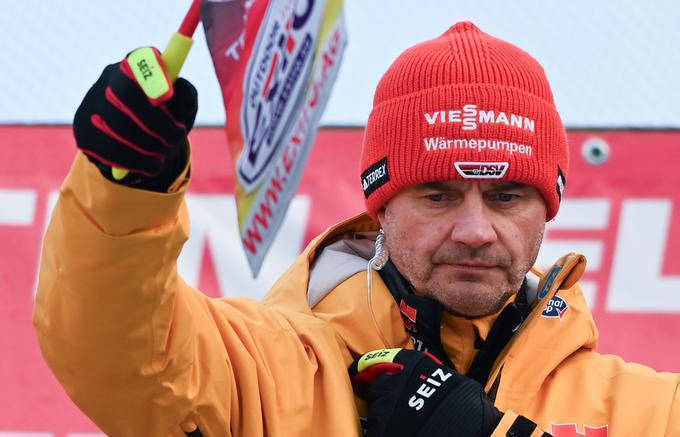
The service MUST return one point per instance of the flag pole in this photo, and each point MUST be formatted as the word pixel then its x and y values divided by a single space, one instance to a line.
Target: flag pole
pixel 178 47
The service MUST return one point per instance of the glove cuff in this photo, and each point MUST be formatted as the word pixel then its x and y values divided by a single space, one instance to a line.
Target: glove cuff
pixel 174 165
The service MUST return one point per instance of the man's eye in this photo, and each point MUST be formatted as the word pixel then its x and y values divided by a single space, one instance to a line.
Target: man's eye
pixel 438 197
pixel 504 197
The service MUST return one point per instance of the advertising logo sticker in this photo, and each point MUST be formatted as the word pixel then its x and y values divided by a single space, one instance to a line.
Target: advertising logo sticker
pixel 375 177
pixel 278 70
pixel 482 170
pixel 556 308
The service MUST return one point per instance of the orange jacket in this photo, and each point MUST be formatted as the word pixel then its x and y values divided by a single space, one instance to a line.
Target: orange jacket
pixel 144 354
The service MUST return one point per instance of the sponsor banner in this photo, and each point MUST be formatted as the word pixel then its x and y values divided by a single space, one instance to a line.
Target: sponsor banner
pixel 621 208
pixel 276 61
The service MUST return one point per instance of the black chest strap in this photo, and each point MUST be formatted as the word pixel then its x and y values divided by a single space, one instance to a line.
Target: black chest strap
pixel 422 317
pixel 505 326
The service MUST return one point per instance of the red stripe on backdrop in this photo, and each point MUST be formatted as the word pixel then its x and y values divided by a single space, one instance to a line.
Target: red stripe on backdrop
pixel 35 159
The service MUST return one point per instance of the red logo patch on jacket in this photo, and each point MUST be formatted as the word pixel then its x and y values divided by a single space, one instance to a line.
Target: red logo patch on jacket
pixel 570 430
pixel 409 314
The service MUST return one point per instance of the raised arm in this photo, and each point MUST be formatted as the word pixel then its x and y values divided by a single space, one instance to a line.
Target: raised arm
pixel 135 347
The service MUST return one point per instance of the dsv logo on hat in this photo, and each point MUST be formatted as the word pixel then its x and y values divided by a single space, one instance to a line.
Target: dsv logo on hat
pixel 482 170
pixel 278 69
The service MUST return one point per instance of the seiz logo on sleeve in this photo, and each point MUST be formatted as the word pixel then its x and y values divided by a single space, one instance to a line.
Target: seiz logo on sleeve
pixel 428 388
pixel 570 430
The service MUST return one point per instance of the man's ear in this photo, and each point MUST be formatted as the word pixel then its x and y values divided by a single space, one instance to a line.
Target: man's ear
pixel 381 216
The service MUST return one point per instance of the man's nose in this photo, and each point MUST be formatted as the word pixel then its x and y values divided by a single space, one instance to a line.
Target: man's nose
pixel 473 224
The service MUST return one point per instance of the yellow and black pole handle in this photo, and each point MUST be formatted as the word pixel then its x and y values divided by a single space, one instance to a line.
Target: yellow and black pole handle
pixel 143 63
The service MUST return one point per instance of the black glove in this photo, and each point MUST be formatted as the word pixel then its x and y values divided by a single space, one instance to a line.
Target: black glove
pixel 410 393
pixel 118 125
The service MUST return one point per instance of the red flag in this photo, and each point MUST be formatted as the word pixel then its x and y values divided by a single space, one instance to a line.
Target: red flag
pixel 276 61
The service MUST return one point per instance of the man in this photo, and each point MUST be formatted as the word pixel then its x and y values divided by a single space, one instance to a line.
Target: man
pixel 464 160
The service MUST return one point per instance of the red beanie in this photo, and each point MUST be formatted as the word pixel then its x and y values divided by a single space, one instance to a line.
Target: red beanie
pixel 464 105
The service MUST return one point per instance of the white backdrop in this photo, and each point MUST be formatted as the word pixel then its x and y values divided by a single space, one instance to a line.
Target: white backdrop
pixel 612 63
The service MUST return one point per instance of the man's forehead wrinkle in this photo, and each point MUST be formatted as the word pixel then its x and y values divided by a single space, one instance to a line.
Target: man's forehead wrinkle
pixel 457 185
pixel 508 185
pixel 437 185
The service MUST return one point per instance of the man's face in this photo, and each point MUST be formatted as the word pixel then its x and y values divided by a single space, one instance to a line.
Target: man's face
pixel 465 244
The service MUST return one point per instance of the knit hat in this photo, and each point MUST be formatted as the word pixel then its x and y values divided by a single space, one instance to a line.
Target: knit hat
pixel 464 105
